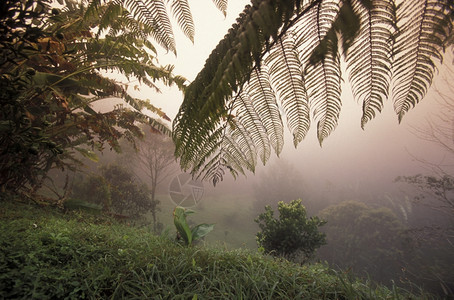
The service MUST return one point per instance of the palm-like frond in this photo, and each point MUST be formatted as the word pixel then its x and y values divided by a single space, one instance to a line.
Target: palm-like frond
pixel 287 79
pixel 221 5
pixel 294 49
pixel 369 58
pixel 154 14
pixel 182 12
pixel 264 105
pixel 247 115
pixel 323 80
pixel 418 46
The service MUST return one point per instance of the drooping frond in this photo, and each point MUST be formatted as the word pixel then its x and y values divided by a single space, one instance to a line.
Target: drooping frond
pixel 239 147
pixel 263 100
pixel 208 98
pixel 182 12
pixel 287 78
pixel 250 119
pixel 418 48
pixel 221 5
pixel 154 14
pixel 285 56
pixel 369 58
pixel 323 80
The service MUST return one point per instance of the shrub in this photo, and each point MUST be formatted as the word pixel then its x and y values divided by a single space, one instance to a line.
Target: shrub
pixel 293 235
pixel 117 191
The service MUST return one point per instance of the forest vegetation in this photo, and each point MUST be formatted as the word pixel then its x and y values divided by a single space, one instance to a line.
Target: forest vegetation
pixel 86 209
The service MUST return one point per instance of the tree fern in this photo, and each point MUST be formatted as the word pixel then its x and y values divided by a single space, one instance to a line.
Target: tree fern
pixel 154 14
pixel 369 58
pixel 287 54
pixel 247 115
pixel 287 79
pixel 221 5
pixel 323 80
pixel 264 103
pixel 182 12
pixel 418 46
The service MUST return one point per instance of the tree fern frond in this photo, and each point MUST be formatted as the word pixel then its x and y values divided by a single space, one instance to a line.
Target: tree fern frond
pixel 419 45
pixel 239 146
pixel 264 103
pixel 154 14
pixel 368 59
pixel 323 80
pixel 287 80
pixel 221 5
pixel 227 70
pixel 182 12
pixel 247 115
pixel 205 155
pixel 290 50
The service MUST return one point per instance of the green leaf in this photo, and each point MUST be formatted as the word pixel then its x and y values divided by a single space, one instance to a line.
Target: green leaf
pixel 179 219
pixel 201 230
pixel 88 154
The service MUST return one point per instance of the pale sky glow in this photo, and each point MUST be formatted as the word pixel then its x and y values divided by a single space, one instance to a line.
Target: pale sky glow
pixel 210 28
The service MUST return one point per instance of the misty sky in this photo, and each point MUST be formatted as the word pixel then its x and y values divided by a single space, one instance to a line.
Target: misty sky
pixel 350 156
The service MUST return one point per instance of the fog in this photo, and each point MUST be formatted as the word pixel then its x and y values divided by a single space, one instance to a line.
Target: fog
pixel 352 164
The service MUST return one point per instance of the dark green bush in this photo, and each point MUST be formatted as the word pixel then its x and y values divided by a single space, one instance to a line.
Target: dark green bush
pixel 293 235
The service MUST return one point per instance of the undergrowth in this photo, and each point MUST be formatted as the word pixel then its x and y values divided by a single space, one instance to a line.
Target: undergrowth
pixel 45 254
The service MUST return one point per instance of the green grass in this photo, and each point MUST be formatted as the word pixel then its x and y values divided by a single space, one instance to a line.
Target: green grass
pixel 45 254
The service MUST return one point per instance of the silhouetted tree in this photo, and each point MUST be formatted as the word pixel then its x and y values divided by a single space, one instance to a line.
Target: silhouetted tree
pixel 370 241
pixel 155 157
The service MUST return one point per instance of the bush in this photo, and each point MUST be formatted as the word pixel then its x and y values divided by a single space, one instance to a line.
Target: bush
pixel 293 235
pixel 117 191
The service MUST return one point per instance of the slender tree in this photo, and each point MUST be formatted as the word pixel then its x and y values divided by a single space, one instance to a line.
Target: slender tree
pixel 156 159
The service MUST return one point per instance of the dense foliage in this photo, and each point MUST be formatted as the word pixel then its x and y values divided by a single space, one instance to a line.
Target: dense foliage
pixel 282 61
pixel 53 70
pixel 115 190
pixel 293 235
pixel 46 255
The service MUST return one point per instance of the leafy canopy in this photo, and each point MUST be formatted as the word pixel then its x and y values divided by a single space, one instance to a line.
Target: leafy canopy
pixel 281 61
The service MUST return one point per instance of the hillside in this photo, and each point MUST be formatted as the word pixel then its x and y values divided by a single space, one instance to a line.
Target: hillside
pixel 47 254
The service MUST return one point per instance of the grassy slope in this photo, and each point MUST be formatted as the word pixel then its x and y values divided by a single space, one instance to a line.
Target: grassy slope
pixel 44 254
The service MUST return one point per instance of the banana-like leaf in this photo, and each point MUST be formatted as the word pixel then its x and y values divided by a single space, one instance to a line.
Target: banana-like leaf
pixel 179 219
pixel 201 230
